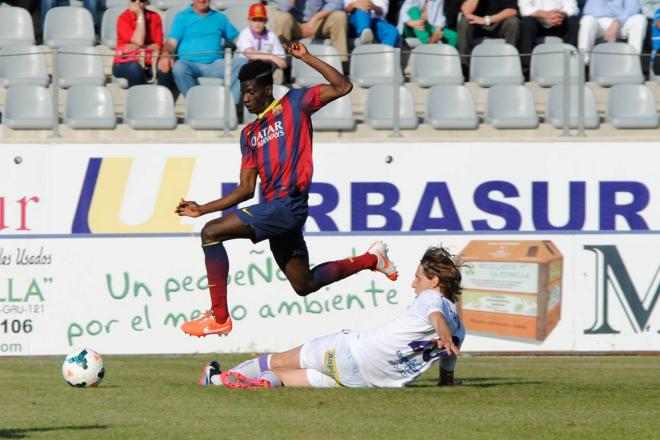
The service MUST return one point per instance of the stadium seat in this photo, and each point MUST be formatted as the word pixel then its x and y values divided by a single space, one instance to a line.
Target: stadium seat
pixel 631 106
pixel 117 4
pixel 210 81
pixel 169 18
pixel 149 107
pixel 224 4
pixel 304 75
pixel 450 106
pixel 278 92
pixel 495 63
pixel 89 107
pixel 337 115
pixel 372 64
pixel 436 64
pixel 27 66
pixel 379 108
pixel 511 106
pixel 547 65
pixel 551 39
pixel 165 5
pixel 28 107
pixel 120 82
pixel 109 26
pixel 68 25
pixel 555 109
pixel 237 15
pixel 205 108
pixel 80 65
pixel 413 42
pixel 615 63
pixel 15 26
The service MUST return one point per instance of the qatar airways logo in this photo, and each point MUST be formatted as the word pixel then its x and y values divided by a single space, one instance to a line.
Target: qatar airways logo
pixel 266 134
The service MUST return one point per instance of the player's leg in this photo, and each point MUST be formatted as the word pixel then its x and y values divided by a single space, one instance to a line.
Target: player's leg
pixel 291 255
pixel 216 260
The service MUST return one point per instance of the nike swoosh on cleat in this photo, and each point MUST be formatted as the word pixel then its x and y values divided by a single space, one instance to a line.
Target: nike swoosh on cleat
pixel 386 263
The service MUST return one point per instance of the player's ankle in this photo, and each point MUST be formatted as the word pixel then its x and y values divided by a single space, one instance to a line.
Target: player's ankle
pixel 446 377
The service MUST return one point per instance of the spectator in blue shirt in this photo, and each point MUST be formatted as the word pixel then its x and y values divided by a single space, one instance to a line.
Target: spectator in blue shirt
pixel 196 37
pixel 297 19
pixel 609 20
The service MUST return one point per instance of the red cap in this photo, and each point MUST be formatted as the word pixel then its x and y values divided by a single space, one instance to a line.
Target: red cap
pixel 257 10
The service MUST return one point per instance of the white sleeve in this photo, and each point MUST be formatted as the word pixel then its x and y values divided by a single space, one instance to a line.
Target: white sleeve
pixel 570 7
pixel 403 13
pixel 348 2
pixel 277 46
pixel 244 41
pixel 526 7
pixel 384 5
pixel 428 303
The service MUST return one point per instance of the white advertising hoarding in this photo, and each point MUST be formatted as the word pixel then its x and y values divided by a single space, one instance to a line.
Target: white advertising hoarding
pixel 91 253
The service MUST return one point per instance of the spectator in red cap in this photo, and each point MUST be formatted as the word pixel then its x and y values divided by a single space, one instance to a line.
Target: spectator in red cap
pixel 256 42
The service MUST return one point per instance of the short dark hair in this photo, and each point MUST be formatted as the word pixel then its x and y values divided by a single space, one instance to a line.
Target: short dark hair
pixel 257 70
pixel 437 261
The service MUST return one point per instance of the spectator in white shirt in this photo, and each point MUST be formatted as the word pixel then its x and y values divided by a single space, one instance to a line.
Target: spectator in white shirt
pixel 609 20
pixel 542 18
pixel 366 18
pixel 256 42
pixel 425 20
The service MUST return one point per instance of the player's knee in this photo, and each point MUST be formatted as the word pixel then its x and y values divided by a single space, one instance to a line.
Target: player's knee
pixel 304 289
pixel 207 235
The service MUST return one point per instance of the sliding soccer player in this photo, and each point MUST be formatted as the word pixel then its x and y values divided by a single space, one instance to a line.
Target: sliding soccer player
pixel 276 147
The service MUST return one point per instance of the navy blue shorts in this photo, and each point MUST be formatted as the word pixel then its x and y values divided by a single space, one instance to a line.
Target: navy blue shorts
pixel 281 222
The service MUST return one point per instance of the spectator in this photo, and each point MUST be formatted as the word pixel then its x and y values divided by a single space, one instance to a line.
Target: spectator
pixel 92 6
pixel 297 19
pixel 649 9
pixel 486 18
pixel 196 37
pixel 256 42
pixel 611 20
pixel 541 18
pixel 425 19
pixel 139 31
pixel 366 19
pixel 656 43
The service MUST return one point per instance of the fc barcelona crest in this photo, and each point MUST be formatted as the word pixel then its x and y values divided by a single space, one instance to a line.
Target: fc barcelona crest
pixel 277 110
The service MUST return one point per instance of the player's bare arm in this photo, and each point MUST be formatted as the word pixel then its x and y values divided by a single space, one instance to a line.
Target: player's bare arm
pixel 339 85
pixel 244 191
pixel 442 329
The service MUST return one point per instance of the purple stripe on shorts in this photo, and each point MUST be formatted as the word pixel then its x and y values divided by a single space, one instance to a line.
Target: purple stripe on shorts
pixel 263 362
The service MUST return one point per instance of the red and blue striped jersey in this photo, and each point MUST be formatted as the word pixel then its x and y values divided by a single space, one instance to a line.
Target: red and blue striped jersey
pixel 279 144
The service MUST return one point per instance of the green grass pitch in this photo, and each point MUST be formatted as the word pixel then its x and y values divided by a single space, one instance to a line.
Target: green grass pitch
pixel 157 397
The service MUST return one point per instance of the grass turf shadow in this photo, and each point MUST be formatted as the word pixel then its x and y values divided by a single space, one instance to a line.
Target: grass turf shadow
pixel 24 432
pixel 479 382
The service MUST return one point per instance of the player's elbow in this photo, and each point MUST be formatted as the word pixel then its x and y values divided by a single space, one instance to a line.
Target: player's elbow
pixel 346 88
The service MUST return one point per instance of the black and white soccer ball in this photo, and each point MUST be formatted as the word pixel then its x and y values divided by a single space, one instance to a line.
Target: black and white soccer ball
pixel 83 368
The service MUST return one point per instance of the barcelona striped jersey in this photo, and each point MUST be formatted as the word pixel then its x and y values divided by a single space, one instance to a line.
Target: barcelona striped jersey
pixel 279 144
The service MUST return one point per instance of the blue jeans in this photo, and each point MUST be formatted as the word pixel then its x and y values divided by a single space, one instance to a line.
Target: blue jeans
pixel 186 74
pixel 359 20
pixel 91 5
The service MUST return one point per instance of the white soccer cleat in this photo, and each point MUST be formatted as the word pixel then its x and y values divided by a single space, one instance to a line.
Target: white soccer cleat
pixel 384 265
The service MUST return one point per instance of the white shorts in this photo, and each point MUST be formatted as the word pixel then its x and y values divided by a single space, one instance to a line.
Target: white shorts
pixel 331 356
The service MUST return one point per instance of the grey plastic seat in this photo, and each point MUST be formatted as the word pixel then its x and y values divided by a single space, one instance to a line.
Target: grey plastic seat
pixel 89 107
pixel 205 108
pixel 15 26
pixel 551 39
pixel 450 106
pixel 372 64
pixel 278 92
pixel 224 4
pixel 169 18
pixel 109 26
pixel 80 65
pixel 337 115
pixel 495 63
pixel 379 109
pixel 436 64
pixel 631 106
pixel 615 63
pixel 149 107
pixel 117 4
pixel 305 76
pixel 237 15
pixel 68 25
pixel 165 5
pixel 547 65
pixel 555 109
pixel 23 65
pixel 28 107
pixel 511 106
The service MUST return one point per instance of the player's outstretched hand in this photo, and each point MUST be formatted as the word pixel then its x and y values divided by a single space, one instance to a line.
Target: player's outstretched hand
pixel 188 209
pixel 295 49
pixel 449 346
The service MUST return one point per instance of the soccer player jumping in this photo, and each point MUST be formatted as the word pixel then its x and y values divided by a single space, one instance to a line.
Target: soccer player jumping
pixel 277 147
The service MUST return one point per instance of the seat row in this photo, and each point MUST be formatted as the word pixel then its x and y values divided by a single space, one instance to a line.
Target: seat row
pixel 450 106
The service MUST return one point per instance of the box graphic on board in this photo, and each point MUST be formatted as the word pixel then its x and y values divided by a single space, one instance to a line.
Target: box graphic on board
pixel 511 289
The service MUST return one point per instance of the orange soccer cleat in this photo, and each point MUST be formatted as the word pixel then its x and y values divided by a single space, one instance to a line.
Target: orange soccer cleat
pixel 232 379
pixel 384 265
pixel 207 325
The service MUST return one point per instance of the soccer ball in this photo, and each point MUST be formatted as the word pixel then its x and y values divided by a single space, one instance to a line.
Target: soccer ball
pixel 83 368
